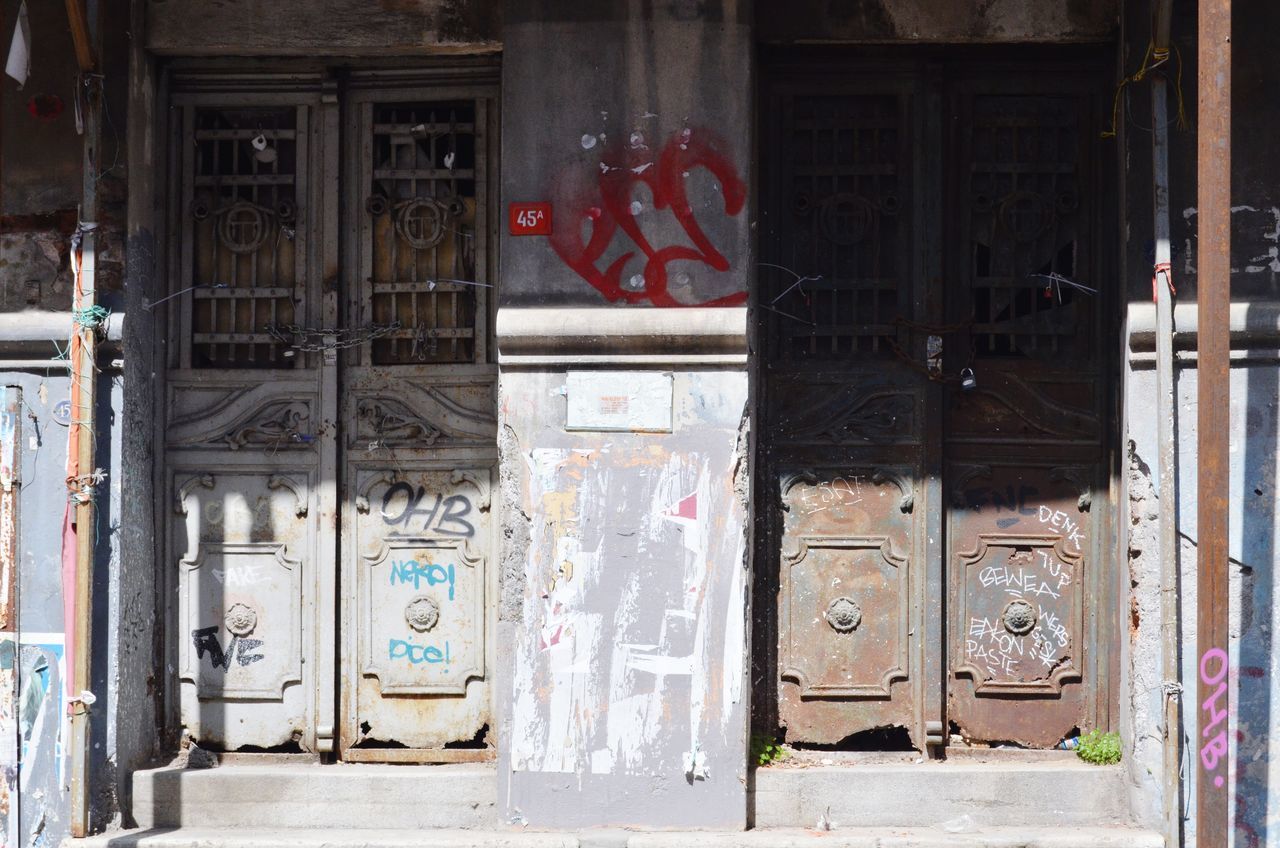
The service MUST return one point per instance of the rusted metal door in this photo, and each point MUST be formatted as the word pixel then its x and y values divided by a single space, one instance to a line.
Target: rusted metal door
pixel 934 408
pixel 329 384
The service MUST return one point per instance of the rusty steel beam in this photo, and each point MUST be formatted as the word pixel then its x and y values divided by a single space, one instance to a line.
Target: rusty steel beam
pixel 1213 395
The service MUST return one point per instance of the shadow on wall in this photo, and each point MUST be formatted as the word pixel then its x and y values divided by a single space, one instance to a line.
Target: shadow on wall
pixel 1254 730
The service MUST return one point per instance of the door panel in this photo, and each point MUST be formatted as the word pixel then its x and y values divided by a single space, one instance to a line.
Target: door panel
pixel 1022 558
pixel 421 430
pixel 846 425
pixel 848 601
pixel 331 414
pixel 1019 552
pixel 934 403
pixel 422 589
pixel 244 422
pixel 244 606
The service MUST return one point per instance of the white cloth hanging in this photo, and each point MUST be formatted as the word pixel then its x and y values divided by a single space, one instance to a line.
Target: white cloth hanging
pixel 18 65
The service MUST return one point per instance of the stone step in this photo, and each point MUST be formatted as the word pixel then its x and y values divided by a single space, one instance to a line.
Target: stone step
pixel 859 837
pixel 303 795
pixel 1051 792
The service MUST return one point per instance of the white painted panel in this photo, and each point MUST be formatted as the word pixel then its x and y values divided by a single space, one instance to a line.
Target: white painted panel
pixel 627 401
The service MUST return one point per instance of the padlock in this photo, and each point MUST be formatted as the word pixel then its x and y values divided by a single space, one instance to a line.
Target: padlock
pixel 967 381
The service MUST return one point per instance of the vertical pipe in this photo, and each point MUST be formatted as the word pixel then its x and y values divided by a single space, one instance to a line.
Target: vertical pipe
pixel 83 379
pixel 1213 167
pixel 1166 409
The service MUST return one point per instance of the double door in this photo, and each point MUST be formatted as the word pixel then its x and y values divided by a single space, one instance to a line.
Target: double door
pixel 330 436
pixel 936 402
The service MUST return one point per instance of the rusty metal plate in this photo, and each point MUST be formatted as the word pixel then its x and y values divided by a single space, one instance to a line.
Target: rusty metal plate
pixel 1019 552
pixel 846 602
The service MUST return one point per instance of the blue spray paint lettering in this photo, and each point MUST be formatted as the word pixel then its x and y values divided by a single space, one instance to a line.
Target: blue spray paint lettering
pixel 411 571
pixel 418 654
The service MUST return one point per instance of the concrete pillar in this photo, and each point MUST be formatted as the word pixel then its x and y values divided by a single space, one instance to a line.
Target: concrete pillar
pixel 623 692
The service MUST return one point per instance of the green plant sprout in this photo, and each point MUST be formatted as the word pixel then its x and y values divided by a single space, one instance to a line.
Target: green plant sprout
pixel 1101 749
pixel 765 749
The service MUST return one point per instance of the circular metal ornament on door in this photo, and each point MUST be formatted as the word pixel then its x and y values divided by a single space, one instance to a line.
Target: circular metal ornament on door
pixel 242 228
pixel 422 613
pixel 240 620
pixel 421 223
pixel 844 615
pixel 1019 617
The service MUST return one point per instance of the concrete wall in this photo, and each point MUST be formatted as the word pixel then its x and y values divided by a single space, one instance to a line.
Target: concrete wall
pixel 1255 397
pixel 936 20
pixel 628 698
pixel 387 28
pixel 637 130
pixel 624 569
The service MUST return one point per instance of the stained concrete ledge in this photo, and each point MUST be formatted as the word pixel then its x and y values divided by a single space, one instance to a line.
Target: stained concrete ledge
pixel 1007 837
pixel 1032 794
pixel 1056 792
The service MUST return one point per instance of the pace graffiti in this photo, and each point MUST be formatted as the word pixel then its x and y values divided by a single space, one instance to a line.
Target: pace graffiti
pixel 606 204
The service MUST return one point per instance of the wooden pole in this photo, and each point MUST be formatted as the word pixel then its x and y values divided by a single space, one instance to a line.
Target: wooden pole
pixel 80 35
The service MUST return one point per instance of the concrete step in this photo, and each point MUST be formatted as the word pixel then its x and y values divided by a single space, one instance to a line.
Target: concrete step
pixel 861 837
pixel 1050 792
pixel 306 795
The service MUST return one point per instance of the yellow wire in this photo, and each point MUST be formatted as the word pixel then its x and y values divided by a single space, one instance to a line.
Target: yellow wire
pixel 1160 56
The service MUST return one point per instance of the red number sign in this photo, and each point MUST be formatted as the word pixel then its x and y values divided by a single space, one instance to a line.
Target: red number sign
pixel 529 219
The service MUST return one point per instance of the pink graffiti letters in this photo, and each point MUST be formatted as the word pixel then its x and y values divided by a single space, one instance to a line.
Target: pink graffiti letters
pixel 606 206
pixel 1214 667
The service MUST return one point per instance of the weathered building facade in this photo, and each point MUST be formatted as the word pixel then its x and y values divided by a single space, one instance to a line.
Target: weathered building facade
pixel 542 405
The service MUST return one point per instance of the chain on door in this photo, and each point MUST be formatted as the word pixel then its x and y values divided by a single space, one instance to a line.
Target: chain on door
pixel 331 433
pixel 933 408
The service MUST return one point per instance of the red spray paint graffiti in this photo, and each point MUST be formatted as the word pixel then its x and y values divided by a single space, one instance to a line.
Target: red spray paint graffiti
pixel 606 202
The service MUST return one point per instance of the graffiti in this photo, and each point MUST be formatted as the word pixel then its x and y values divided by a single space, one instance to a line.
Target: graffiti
pixel 1008 500
pixel 418 654
pixel 1059 520
pixel 1019 578
pixel 1001 652
pixel 402 505
pixel 411 571
pixel 839 492
pixel 1214 749
pixel 239 575
pixel 206 642
pixel 607 205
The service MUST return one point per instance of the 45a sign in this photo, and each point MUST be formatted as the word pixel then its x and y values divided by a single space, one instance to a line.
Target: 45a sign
pixel 529 219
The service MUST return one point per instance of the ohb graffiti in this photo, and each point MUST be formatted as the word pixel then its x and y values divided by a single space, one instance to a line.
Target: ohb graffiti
pixel 405 506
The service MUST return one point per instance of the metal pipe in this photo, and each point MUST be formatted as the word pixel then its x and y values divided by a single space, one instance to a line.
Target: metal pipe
pixel 1166 409
pixel 83 394
pixel 1213 420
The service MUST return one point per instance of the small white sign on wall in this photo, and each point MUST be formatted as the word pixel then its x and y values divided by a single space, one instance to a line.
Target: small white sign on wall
pixel 625 401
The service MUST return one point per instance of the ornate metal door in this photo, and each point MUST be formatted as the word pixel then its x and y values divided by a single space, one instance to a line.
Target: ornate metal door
pixel 934 413
pixel 331 429
pixel 421 440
